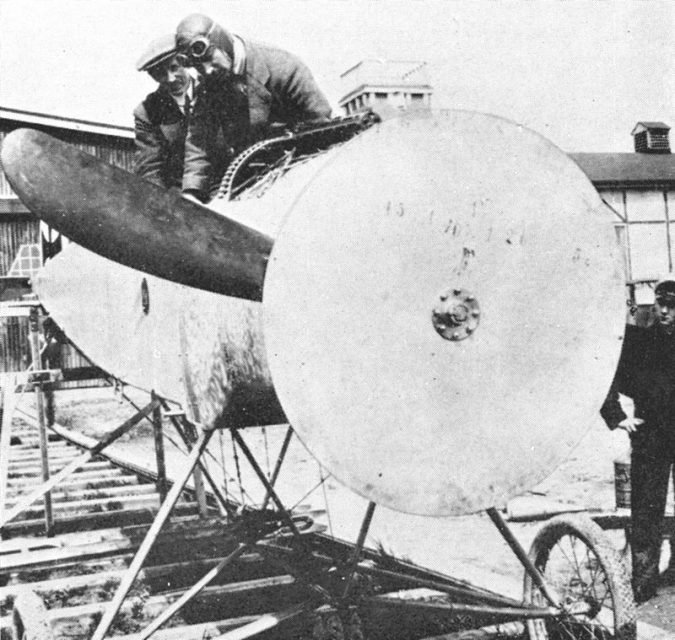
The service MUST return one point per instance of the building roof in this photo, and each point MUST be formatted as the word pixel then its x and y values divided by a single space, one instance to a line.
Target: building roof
pixel 59 122
pixel 385 75
pixel 646 124
pixel 388 71
pixel 627 169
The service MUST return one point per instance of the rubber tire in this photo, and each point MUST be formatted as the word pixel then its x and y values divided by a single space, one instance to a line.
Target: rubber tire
pixel 30 620
pixel 595 539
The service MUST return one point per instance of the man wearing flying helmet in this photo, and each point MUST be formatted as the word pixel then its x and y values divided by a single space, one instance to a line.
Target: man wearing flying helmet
pixel 246 87
pixel 646 374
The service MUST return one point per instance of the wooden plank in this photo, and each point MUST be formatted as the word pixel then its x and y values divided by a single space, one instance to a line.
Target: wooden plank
pixel 27 448
pixel 83 538
pixel 86 506
pixel 60 495
pixel 94 480
pixel 196 631
pixel 29 455
pixel 91 580
pixel 85 522
pixel 59 458
pixel 42 493
pixel 34 470
pixel 45 558
pixel 154 605
pixel 94 544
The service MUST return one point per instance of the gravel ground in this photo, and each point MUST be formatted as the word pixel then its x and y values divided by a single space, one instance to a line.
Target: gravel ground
pixel 467 547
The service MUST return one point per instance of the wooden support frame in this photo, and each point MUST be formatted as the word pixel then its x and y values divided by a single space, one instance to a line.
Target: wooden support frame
pixel 34 339
pixel 48 484
pixel 177 419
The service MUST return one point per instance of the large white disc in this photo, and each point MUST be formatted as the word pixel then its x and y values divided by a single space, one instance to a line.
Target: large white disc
pixel 443 311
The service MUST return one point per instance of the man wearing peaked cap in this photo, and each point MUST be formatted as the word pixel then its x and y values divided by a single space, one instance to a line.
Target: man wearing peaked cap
pixel 646 374
pixel 161 119
pixel 247 87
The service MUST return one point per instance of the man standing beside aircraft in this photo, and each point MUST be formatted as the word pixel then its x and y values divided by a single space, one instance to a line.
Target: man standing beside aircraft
pixel 646 374
pixel 247 88
pixel 160 121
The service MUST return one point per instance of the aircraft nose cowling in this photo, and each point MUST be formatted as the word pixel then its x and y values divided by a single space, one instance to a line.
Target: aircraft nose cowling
pixel 460 323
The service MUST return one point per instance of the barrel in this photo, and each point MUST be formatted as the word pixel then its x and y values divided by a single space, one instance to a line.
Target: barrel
pixel 622 483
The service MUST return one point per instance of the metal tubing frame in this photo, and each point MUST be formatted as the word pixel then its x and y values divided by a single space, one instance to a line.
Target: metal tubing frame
pixel 254 627
pixel 495 600
pixel 261 475
pixel 522 556
pixel 468 591
pixel 510 613
pixel 222 500
pixel 358 549
pixel 150 538
pixel 279 462
pixel 229 509
pixel 161 483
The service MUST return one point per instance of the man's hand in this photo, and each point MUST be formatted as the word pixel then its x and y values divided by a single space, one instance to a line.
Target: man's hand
pixel 630 424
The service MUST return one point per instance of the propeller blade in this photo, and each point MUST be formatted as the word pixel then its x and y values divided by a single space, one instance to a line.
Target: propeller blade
pixel 131 221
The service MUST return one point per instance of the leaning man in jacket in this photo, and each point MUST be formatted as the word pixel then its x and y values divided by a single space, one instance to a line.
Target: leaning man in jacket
pixel 247 88
pixel 160 121
pixel 646 374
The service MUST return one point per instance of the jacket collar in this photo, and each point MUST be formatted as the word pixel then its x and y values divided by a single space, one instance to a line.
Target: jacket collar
pixel 254 65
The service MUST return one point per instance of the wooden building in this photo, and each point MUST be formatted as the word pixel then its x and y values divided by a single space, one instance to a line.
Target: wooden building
pixel 385 85
pixel 25 242
pixel 640 189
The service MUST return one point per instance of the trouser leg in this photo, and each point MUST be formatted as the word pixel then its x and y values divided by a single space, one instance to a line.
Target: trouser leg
pixel 650 471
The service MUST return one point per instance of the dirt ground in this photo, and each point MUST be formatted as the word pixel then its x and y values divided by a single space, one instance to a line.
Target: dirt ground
pixel 467 547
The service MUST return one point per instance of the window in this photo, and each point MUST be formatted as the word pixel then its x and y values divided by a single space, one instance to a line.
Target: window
pixel 27 261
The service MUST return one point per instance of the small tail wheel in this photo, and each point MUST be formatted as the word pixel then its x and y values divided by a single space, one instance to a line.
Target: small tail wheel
pixel 584 570
pixel 30 620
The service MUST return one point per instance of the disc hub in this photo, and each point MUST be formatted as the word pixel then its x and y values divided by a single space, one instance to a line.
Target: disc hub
pixel 456 314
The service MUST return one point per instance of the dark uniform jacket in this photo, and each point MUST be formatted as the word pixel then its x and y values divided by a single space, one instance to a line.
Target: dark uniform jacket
pixel 646 373
pixel 160 128
pixel 276 87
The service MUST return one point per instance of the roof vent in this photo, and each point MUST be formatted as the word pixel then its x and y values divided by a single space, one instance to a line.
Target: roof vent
pixel 651 137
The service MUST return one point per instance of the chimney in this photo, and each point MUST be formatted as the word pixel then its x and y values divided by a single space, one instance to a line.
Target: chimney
pixel 651 137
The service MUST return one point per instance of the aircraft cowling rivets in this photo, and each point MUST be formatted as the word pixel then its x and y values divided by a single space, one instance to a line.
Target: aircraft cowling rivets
pixel 456 314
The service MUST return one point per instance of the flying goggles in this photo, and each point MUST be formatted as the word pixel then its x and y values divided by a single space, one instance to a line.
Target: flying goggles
pixel 198 47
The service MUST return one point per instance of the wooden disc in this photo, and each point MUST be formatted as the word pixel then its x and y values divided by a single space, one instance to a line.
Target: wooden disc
pixel 443 311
